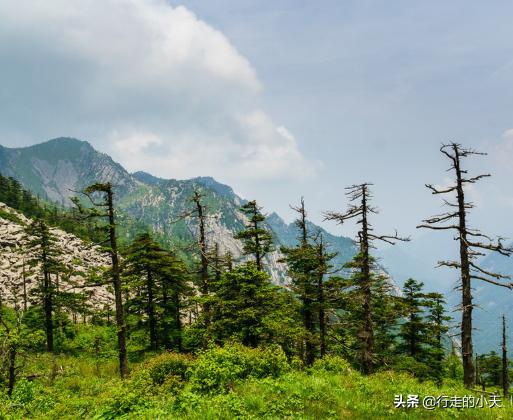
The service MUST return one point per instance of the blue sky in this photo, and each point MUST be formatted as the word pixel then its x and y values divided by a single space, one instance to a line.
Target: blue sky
pixel 276 98
pixel 371 89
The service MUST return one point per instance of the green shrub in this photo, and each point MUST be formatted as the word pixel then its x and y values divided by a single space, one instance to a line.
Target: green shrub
pixel 23 393
pixel 219 367
pixel 412 366
pixel 332 364
pixel 92 340
pixel 161 367
pixel 129 396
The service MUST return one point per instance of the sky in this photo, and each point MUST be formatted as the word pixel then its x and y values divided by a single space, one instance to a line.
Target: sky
pixel 279 99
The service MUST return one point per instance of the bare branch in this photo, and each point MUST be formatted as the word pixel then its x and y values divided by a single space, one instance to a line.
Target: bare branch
pixel 475 178
pixel 434 190
pixel 497 247
pixel 489 273
pixel 391 239
pixel 441 217
pixel 507 285
pixel 437 227
pixel 452 264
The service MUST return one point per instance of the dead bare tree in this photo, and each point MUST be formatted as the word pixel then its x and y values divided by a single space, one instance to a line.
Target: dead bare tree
pixel 472 243
pixel 361 195
pixel 505 379
pixel 200 212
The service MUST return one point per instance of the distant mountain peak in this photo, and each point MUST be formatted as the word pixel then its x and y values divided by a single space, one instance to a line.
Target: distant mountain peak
pixel 62 143
pixel 209 182
pixel 147 178
pixel 55 168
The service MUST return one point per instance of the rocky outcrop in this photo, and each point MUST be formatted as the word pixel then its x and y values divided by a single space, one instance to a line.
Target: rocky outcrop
pixel 79 257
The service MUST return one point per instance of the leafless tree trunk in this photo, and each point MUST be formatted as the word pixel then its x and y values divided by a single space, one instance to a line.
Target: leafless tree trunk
pixel 505 379
pixel 470 245
pixel 200 213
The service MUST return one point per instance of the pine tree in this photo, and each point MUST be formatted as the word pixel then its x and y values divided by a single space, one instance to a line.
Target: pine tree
pixel 302 262
pixel 258 241
pixel 437 328
pixel 414 330
pixel 362 266
pixel 16 338
pixel 157 283
pixel 104 209
pixel 44 253
pixel 322 270
pixel 201 213
pixel 244 298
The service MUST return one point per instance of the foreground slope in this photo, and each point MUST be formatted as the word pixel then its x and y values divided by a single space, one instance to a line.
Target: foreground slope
pixel 217 384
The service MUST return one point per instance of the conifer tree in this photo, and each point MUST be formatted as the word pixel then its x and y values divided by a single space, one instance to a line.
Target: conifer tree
pixel 44 253
pixel 324 258
pixel 414 331
pixel 437 328
pixel 200 211
pixel 248 307
pixel 472 242
pixel 363 278
pixel 257 240
pixel 16 338
pixel 302 262
pixel 157 281
pixel 104 209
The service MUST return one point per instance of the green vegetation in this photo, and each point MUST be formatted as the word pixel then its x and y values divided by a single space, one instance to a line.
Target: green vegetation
pixel 229 382
pixel 194 334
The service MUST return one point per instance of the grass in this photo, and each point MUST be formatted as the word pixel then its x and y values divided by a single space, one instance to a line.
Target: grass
pixel 71 388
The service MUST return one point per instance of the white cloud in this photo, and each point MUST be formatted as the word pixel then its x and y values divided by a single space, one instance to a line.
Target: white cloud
pixel 267 153
pixel 502 150
pixel 508 134
pixel 157 87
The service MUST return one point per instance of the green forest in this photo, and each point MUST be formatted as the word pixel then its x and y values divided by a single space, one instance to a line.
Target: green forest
pixel 196 333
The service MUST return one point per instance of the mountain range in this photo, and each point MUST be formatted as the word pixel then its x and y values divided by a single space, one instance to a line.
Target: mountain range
pixel 58 168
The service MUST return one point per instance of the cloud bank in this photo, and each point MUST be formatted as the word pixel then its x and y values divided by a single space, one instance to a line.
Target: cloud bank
pixel 150 83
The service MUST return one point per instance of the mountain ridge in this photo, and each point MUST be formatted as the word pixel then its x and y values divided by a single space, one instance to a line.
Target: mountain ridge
pixel 57 168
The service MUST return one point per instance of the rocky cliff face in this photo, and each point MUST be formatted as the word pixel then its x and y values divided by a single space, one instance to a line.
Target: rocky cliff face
pixel 76 255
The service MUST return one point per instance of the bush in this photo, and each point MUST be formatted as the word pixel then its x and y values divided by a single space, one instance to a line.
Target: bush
pixel 419 370
pixel 166 365
pixel 219 367
pixel 93 340
pixel 332 364
pixel 23 393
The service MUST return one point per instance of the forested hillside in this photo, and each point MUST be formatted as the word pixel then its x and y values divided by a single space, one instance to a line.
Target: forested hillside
pixel 179 299
pixel 54 170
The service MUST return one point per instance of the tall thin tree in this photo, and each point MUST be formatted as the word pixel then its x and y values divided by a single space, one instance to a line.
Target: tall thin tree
pixel 302 261
pixel 43 245
pixel 104 209
pixel 472 242
pixel 361 195
pixel 505 379
pixel 258 241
